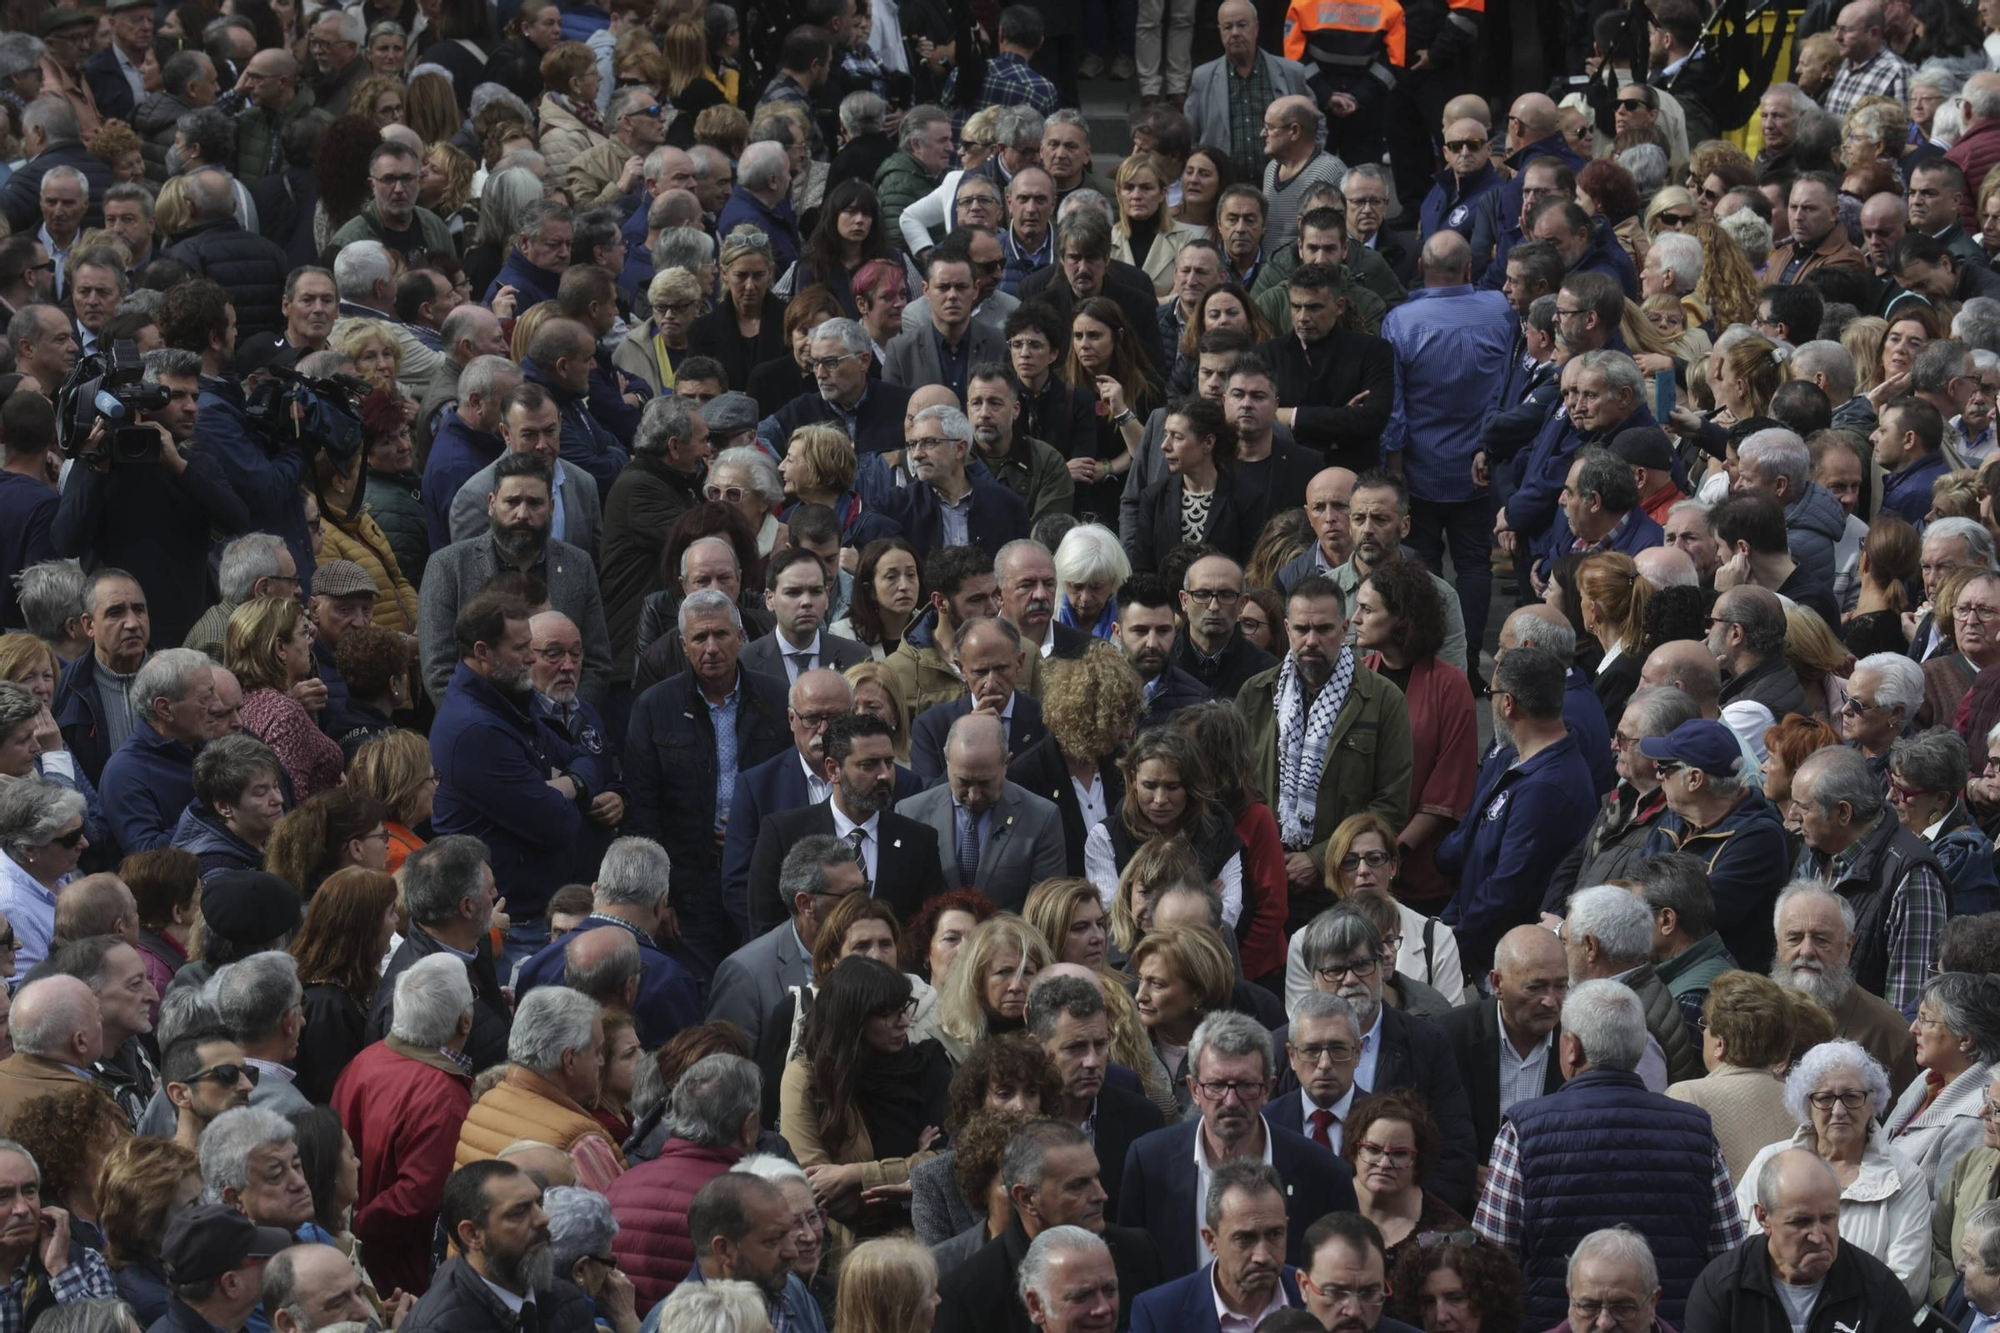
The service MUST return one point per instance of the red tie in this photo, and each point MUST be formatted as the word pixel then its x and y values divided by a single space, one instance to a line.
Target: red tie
pixel 1320 1121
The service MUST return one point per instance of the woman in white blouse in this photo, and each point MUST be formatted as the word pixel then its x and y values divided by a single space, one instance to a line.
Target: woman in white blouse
pixel 1167 795
pixel 1836 1091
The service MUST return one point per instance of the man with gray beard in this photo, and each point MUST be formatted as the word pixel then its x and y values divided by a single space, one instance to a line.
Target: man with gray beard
pixel 1815 930
pixel 505 1263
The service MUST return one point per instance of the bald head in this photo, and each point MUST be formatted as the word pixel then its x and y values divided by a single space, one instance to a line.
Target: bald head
pixel 544 623
pixel 98 904
pixel 57 1018
pixel 1685 664
pixel 1527 949
pixel 275 62
pixel 931 395
pixel 1077 970
pixel 1667 567
pixel 1469 106
pixel 604 964
pixel 550 1166
pixel 975 738
pixel 1511 633
pixel 1299 111
pixel 1532 117
pixel 1447 260
pixel 1793 1176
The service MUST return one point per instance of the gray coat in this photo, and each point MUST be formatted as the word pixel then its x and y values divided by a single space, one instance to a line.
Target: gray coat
pixel 1023 847
pixel 583 513
pixel 913 358
pixel 457 573
pixel 1207 106
pixel 750 982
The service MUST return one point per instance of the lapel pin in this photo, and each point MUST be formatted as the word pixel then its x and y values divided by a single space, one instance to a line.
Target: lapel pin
pixel 897 844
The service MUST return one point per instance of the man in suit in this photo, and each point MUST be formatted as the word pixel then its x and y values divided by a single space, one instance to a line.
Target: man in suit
pixel 899 855
pixel 817 873
pixel 1343 954
pixel 517 539
pixel 870 410
pixel 1068 1016
pixel 1146 629
pixel 1345 1275
pixel 944 505
pixel 1250 1226
pixel 1050 1172
pixel 531 423
pixel 1167 1173
pixel 992 835
pixel 690 738
pixel 795 593
pixel 945 350
pixel 1322 1045
pixel 989 658
pixel 1505 1046
pixel 114 74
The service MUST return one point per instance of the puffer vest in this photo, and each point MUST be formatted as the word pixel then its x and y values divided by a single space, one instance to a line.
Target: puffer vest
pixel 524 1105
pixel 1600 1152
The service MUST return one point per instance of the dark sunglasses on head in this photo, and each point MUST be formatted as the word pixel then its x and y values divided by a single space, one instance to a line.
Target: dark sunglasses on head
pixel 228 1075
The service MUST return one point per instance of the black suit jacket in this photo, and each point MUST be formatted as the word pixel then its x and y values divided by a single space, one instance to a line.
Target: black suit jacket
pixel 928 732
pixel 1177 690
pixel 1416 1055
pixel 996 516
pixel 1158 1192
pixel 1042 771
pixel 1231 528
pixel 1322 380
pixel 107 84
pixel 1124 1116
pixel 980 1295
pixel 1473 1034
pixel 907 869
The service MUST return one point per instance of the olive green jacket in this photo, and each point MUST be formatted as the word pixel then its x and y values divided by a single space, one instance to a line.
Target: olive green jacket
pixel 1973 1181
pixel 1371 287
pixel 257 128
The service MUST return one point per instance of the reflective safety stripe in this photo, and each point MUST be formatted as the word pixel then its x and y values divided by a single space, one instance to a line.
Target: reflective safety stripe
pixel 1384 73
pixel 1327 56
pixel 1459 19
pixel 1343 14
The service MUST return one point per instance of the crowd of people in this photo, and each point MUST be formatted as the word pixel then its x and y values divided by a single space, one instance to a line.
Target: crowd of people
pixel 675 671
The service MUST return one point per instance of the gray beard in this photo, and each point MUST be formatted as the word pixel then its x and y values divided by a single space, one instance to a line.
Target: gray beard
pixel 1314 672
pixel 532 1271
pixel 1827 988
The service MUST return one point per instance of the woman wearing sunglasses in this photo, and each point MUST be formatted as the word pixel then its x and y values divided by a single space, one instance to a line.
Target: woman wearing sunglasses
pixel 41 840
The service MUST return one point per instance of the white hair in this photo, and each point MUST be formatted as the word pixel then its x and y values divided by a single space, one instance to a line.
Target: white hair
pixel 549 1022
pixel 359 267
pixel 1680 255
pixel 171 674
pixel 1899 682
pixel 1978 541
pixel 1034 1273
pixel 634 872
pixel 431 997
pixel 1824 1059
pixel 763 473
pixel 1621 1245
pixel 1092 553
pixel 229 1140
pixel 1607 1018
pixel 1617 919
pixel 1812 888
pixel 1778 453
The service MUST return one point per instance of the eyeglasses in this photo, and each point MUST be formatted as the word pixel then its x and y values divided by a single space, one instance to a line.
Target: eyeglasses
pixel 1985 615
pixel 228 1075
pixel 68 840
pixel 817 364
pixel 1360 968
pixel 1853 707
pixel 926 443
pixel 1666 768
pixel 1633 104
pixel 1338 1052
pixel 1356 860
pixel 1376 1152
pixel 1582 1313
pixel 1569 314
pixel 1901 790
pixel 1370 1297
pixel 818 720
pixel 728 495
pixel 402 181
pixel 1464 145
pixel 1219 1089
pixel 8 941
pixel 609 1261
pixel 814 1220
pixel 907 1009
pixel 662 309
pixel 1223 597
pixel 1823 1101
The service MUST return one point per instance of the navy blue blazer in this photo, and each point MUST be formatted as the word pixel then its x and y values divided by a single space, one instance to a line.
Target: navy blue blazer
pixel 776 784
pixel 928 732
pixel 1177 690
pixel 1157 1192
pixel 669 997
pixel 1187 1305
pixel 996 516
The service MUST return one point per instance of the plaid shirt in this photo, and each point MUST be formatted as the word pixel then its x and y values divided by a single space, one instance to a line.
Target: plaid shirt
pixel 1010 82
pixel 86 1279
pixel 1500 1204
pixel 1249 96
pixel 1887 75
pixel 1916 915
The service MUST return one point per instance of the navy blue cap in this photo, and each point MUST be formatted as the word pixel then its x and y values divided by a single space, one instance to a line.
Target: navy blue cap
pixel 1699 743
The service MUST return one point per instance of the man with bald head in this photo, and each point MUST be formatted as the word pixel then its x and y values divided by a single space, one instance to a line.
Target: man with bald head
pixel 1538 625
pixel 993 835
pixel 277 101
pixel 58 1033
pixel 1297 164
pixel 1329 501
pixel 1688 665
pixel 1505 1044
pixel 308 1287
pixel 555 666
pixel 1533 130
pixel 1795 1272
pixel 1746 632
pixel 663 170
pixel 1868 68
pixel 1884 219
pixel 1451 342
pixel 1244 68
pixel 1667 567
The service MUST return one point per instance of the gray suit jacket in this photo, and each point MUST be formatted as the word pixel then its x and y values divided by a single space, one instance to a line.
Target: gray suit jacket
pixel 457 573
pixel 913 358
pixel 835 653
pixel 750 982
pixel 1207 105
pixel 583 513
pixel 1024 847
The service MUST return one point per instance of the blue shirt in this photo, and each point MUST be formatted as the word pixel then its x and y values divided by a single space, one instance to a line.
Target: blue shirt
pixel 722 716
pixel 1451 344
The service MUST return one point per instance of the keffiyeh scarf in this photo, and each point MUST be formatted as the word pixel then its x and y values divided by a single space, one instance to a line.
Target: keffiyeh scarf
pixel 1303 732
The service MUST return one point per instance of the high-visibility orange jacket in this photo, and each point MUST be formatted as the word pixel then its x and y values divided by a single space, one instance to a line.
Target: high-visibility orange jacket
pixel 1351 46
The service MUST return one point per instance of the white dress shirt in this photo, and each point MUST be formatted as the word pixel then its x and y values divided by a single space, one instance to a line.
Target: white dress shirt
pixel 786 655
pixel 817 788
pixel 1202 1172
pixel 1340 1109
pixel 871 840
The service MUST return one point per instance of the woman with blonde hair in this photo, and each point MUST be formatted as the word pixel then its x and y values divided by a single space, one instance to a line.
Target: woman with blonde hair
pixel 396 770
pixel 1729 285
pixel 173 211
pixel 1956 494
pixel 888 1286
pixel 1820 660
pixel 1613 601
pixel 1672 208
pixel 377 355
pixel 1888 569
pixel 684 52
pixel 1089 705
pixel 723 128
pixel 878 692
pixel 444 186
pixel 351 533
pixel 1743 372
pixel 819 468
pixel 568 109
pixel 269 649
pixel 527 324
pixel 1146 234
pixel 987 990
pixel 1169 795
pixel 748 328
pixel 379 99
pixel 1863 337
pixel 654 345
pixel 1158 866
pixel 430 107
pixel 1184 975
pixel 1069 915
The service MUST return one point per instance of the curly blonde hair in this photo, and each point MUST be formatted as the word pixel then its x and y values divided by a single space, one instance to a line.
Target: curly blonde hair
pixel 369 89
pixel 1958 494
pixel 457 169
pixel 825 459
pixel 1198 957
pixel 351 335
pixel 1728 286
pixel 1091 703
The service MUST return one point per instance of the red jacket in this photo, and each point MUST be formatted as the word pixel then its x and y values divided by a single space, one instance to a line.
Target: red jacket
pixel 1976 152
pixel 402 1105
pixel 650 1202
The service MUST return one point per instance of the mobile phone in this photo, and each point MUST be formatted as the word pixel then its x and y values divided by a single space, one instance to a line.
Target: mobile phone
pixel 1663 392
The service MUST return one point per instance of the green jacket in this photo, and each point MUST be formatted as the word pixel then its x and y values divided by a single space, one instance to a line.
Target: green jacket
pixel 367 226
pixel 1035 472
pixel 899 182
pixel 1371 287
pixel 1693 969
pixel 1973 1181
pixel 396 500
pixel 257 129
pixel 1369 758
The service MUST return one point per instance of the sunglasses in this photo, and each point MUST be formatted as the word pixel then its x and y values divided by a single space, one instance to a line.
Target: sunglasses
pixel 228 1075
pixel 68 840
pixel 1676 219
pixel 1633 104
pixel 1464 145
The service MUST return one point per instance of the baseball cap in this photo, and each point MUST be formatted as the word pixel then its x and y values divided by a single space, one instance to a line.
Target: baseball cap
pixel 1698 743
pixel 250 908
pixel 210 1239
pixel 342 578
pixel 1644 446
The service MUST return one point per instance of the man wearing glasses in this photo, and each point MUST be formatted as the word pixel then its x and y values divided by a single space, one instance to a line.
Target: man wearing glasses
pixel 393 216
pixel 817 873
pixel 1534 130
pixel 1345 1279
pixel 332 45
pixel 1212 651
pixel 839 356
pixel 202 1075
pixel 945 505
pixel 1468 176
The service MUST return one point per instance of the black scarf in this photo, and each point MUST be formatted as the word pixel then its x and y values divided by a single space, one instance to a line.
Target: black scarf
pixel 900 1096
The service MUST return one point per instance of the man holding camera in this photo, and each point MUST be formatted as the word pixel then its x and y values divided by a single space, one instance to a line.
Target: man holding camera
pixel 140 496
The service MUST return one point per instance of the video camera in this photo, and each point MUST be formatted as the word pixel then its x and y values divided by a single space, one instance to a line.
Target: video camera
pixel 329 415
pixel 119 398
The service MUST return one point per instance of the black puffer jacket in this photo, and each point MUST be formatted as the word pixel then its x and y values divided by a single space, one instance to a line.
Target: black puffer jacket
pixel 154 120
pixel 247 266
pixel 459 1301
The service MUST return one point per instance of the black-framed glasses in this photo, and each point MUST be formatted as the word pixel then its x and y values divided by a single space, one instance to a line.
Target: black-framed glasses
pixel 1337 1051
pixel 1360 968
pixel 1356 860
pixel 228 1075
pixel 1225 597
pixel 1464 145
pixel 907 1009
pixel 1853 707
pixel 1666 768
pixel 1219 1089
pixel 1675 219
pixel 1584 1313
pixel 1633 104
pixel 1823 1101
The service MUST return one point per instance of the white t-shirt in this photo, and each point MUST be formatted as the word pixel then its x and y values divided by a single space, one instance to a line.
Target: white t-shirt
pixel 1799 1302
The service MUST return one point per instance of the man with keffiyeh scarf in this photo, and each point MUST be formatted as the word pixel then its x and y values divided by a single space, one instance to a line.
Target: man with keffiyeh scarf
pixel 1329 738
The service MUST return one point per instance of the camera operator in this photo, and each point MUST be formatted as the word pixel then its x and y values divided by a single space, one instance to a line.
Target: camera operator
pixel 263 467
pixel 159 510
